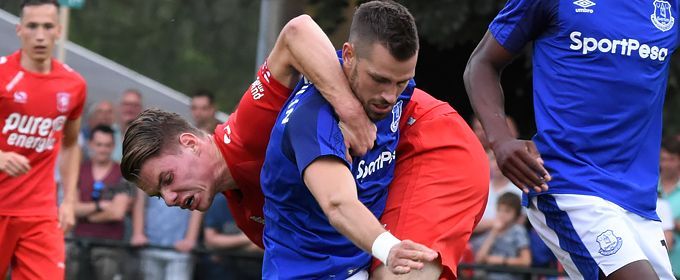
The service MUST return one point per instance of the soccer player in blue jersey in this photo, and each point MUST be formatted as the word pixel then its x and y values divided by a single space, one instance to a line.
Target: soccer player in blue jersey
pixel 320 209
pixel 590 173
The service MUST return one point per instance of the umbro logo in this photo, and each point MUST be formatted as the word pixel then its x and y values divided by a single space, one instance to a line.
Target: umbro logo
pixel 585 5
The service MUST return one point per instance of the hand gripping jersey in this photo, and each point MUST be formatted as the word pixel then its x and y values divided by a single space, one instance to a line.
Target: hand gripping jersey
pixel 300 243
pixel 243 139
pixel 33 111
pixel 600 72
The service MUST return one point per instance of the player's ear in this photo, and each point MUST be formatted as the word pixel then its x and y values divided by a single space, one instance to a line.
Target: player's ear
pixel 348 54
pixel 189 140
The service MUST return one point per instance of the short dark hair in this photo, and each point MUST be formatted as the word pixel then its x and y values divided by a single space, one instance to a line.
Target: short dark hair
pixel 671 145
pixel 25 3
pixel 204 93
pixel 152 133
pixel 103 129
pixel 512 201
pixel 388 23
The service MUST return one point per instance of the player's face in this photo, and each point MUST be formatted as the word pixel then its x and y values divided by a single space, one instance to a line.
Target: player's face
pixel 101 146
pixel 377 78
pixel 201 110
pixel 670 163
pixel 182 178
pixel 38 30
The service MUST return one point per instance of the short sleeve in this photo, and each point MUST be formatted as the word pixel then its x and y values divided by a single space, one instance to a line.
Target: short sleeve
pixel 521 21
pixel 80 103
pixel 313 132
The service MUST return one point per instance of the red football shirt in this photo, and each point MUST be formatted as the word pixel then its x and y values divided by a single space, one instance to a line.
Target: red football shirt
pixel 33 110
pixel 243 140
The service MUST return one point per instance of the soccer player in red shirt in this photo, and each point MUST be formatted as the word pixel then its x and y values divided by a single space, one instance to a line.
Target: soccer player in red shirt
pixel 42 101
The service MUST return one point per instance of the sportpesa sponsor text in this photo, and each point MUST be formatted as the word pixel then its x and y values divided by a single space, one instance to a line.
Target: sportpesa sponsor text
pixel 625 46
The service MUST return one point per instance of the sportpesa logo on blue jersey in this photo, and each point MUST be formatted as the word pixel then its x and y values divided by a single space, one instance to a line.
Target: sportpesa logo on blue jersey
pixel 624 46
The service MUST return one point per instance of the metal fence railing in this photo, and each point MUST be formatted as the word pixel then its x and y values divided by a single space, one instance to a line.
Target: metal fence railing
pixel 241 263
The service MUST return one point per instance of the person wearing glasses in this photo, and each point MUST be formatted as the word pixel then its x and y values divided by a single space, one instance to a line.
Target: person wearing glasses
pixel 104 197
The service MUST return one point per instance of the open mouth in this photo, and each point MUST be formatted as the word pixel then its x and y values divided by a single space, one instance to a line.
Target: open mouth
pixel 188 202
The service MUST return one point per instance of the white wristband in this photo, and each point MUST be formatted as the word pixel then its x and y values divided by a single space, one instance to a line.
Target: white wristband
pixel 382 246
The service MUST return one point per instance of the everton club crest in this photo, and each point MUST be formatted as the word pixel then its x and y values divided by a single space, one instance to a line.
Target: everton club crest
pixel 396 116
pixel 662 18
pixel 609 243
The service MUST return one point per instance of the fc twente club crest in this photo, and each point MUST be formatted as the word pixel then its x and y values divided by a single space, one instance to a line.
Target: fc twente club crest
pixel 63 100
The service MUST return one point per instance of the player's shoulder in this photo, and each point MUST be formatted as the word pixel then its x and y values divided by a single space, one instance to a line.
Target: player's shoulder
pixel 66 70
pixel 307 104
pixel 8 62
pixel 421 102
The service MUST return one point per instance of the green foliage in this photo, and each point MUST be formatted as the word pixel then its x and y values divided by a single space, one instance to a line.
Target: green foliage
pixel 185 44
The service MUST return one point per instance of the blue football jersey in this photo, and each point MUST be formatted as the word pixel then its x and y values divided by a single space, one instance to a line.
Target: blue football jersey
pixel 300 242
pixel 600 69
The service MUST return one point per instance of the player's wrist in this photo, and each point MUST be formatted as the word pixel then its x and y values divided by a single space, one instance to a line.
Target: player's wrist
pixel 382 245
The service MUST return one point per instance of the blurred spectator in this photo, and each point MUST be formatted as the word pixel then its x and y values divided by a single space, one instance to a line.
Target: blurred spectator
pixel 507 242
pixel 221 234
pixel 156 224
pixel 203 110
pixel 130 106
pixel 669 167
pixel 104 198
pixel 102 113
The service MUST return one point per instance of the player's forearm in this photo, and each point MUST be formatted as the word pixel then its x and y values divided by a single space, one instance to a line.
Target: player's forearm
pixel 333 186
pixel 313 55
pixel 353 220
pixel 69 167
pixel 482 83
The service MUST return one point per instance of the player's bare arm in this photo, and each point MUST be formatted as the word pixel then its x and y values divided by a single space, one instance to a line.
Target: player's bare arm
pixel 14 164
pixel 518 159
pixel 302 47
pixel 69 167
pixel 333 186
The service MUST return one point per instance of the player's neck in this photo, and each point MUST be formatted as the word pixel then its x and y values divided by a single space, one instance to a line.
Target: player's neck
pixel 224 180
pixel 36 66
